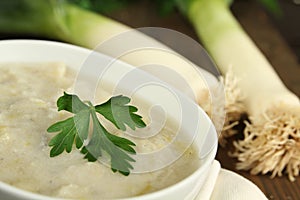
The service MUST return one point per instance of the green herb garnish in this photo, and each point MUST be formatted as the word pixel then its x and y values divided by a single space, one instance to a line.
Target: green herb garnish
pixel 76 130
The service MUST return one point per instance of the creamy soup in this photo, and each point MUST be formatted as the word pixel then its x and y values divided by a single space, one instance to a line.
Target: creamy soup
pixel 28 107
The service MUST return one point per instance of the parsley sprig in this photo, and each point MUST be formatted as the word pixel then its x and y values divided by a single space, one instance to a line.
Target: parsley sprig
pixel 77 129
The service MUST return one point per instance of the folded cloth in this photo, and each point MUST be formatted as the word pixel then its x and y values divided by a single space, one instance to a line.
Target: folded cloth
pixel 222 184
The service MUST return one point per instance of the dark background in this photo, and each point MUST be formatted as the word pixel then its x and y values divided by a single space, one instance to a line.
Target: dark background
pixel 289 24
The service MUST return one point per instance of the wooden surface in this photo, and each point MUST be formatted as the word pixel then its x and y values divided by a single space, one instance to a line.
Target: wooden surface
pixel 259 26
pixel 268 38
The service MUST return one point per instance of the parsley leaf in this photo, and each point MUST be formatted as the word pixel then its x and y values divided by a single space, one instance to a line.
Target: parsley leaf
pixel 71 103
pixel 76 130
pixel 117 111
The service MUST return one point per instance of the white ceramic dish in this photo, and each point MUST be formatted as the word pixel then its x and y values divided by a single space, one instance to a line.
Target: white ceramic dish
pixel 75 57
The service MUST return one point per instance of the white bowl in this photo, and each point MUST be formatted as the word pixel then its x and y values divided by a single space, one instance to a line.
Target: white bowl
pixel 75 57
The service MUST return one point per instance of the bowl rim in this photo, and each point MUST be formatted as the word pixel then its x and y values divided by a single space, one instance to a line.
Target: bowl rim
pixel 27 194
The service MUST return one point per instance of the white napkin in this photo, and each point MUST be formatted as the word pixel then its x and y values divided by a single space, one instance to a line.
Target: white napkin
pixel 223 184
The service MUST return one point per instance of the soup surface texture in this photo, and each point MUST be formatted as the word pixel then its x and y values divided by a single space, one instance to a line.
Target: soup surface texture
pixel 29 92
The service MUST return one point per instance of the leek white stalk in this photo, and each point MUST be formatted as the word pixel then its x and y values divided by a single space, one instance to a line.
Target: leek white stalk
pixel 57 19
pixel 272 139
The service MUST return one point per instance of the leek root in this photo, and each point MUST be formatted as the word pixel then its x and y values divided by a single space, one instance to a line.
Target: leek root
pixel 234 106
pixel 272 139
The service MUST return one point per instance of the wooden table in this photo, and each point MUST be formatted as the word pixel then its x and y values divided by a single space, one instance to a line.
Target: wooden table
pixel 258 25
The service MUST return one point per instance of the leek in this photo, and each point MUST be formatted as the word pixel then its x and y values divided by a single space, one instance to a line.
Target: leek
pixel 57 19
pixel 272 139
